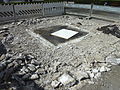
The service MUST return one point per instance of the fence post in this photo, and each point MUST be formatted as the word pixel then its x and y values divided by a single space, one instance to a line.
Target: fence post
pixel 14 13
pixel 64 7
pixel 91 9
pixel 43 14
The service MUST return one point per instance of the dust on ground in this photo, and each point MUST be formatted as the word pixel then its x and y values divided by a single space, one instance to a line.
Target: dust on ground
pixel 62 67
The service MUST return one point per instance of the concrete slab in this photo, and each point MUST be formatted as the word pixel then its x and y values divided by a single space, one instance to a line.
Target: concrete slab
pixel 64 33
pixel 56 35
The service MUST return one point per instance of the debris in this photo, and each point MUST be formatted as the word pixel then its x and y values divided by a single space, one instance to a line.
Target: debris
pixel 91 75
pixel 81 75
pixel 34 76
pixel 98 75
pixel 108 69
pixel 113 61
pixel 55 83
pixel 91 82
pixel 3 49
pixel 20 22
pixel 79 23
pixel 78 86
pixel 66 79
pixel 26 76
pixel 24 60
pixel 110 29
pixel 2 57
pixel 9 39
pixel 31 67
pixel 56 65
pixel 95 70
pixel 103 69
pixel 40 71
pixel 4 28
pixel 29 57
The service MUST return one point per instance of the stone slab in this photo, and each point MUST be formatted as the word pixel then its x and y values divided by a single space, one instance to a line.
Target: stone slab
pixel 64 33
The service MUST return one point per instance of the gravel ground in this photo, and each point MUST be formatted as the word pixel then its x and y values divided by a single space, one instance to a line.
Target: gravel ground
pixel 66 66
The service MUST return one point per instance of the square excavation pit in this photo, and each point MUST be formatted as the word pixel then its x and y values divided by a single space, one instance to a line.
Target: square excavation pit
pixel 60 34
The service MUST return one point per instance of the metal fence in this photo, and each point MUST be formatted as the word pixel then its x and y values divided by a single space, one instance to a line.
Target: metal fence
pixel 95 7
pixel 6 12
pixel 53 9
pixel 20 11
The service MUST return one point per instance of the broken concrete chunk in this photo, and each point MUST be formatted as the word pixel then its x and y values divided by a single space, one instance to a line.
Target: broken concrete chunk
pixel 20 22
pixel 2 57
pixel 66 79
pixel 56 64
pixel 78 86
pixel 95 70
pixel 26 76
pixel 40 71
pixel 98 75
pixel 29 57
pixel 91 82
pixel 4 28
pixel 91 75
pixel 81 75
pixel 55 83
pixel 113 61
pixel 111 29
pixel 108 69
pixel 103 69
pixel 31 67
pixel 34 76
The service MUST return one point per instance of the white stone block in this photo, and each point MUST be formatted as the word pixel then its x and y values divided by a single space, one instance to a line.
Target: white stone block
pixel 66 79
pixel 64 33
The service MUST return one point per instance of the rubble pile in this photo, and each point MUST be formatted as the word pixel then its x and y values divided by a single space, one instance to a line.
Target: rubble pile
pixel 111 29
pixel 17 70
pixel 26 64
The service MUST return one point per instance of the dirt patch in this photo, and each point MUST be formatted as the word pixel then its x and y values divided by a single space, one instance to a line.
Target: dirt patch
pixel 68 66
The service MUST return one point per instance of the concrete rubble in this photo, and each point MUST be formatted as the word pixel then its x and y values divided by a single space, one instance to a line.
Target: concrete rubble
pixel 55 84
pixel 66 79
pixel 25 62
pixel 113 60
